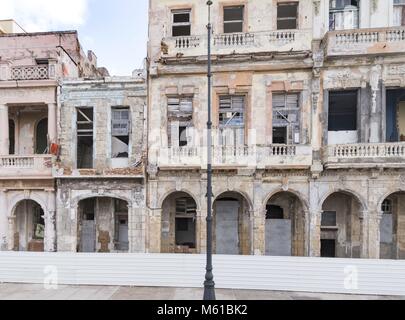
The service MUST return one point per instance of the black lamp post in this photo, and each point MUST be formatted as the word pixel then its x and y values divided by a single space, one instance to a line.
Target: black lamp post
pixel 209 284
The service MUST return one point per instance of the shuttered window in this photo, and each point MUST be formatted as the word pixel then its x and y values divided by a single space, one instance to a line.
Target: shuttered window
pixel 286 118
pixel 287 15
pixel 232 120
pixel 180 120
pixel 181 23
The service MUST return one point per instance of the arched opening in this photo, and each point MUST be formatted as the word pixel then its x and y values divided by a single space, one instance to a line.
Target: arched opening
pixel 11 132
pixel 29 227
pixel 102 225
pixel 392 227
pixel 179 214
pixel 341 235
pixel 232 227
pixel 285 225
pixel 41 137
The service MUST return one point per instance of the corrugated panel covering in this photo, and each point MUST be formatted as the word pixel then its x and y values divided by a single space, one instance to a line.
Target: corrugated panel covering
pixel 382 277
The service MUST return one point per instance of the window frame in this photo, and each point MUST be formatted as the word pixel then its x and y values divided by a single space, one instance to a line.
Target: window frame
pixel 174 24
pixel 285 4
pixel 243 7
pixel 184 119
pixel 121 134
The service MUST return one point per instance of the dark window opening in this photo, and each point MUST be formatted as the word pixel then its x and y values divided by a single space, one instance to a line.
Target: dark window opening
pixel 41 137
pixel 120 130
pixel 42 61
pixel 280 135
pixel 85 138
pixel 274 212
pixel 328 248
pixel 88 207
pixel 38 223
pixel 287 14
pixel 286 118
pixel 233 19
pixel 181 23
pixel 180 121
pixel 386 207
pixel 328 219
pixel 342 111
pixel 11 132
pixel 186 211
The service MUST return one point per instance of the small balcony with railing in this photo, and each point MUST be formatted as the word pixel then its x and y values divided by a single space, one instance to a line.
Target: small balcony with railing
pixel 238 43
pixel 364 155
pixel 9 72
pixel 26 167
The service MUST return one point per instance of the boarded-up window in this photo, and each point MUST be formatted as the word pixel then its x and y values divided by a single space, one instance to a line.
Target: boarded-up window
pixel 85 127
pixel 233 19
pixel 180 120
pixel 186 210
pixel 399 13
pixel 181 24
pixel 343 110
pixel 286 118
pixel 287 15
pixel 232 120
pixel 120 132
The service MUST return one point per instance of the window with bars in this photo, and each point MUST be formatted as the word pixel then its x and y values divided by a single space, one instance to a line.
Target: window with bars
pixel 181 22
pixel 287 15
pixel 286 120
pixel 232 120
pixel 85 128
pixel 399 13
pixel 180 120
pixel 233 19
pixel 120 132
pixel 386 207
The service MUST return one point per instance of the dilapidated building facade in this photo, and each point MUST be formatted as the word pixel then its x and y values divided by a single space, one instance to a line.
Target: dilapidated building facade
pixel 31 66
pixel 100 171
pixel 308 134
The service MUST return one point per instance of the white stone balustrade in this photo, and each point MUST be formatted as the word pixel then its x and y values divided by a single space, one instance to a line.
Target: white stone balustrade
pixel 26 166
pixel 366 41
pixel 228 43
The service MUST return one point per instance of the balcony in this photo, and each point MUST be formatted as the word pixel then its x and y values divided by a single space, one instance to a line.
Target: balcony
pixel 365 155
pixel 263 157
pixel 26 73
pixel 229 43
pixel 26 167
pixel 365 41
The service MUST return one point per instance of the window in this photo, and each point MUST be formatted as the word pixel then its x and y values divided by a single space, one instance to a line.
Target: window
pixel 328 219
pixel 11 129
pixel 343 14
pixel 180 121
pixel 274 213
pixel 233 19
pixel 387 206
pixel 120 131
pixel 42 61
pixel 38 223
pixel 85 138
pixel 232 120
pixel 343 111
pixel 399 13
pixel 286 120
pixel 186 211
pixel 287 15
pixel 181 24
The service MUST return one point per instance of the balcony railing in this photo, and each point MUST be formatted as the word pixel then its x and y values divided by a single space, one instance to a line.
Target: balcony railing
pixel 26 166
pixel 365 153
pixel 30 73
pixel 227 43
pixel 238 156
pixel 366 41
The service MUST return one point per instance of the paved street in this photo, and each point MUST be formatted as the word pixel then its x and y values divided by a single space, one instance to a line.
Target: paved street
pixel 37 292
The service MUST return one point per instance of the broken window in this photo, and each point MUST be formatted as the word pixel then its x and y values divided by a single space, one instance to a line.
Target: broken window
pixel 399 13
pixel 120 132
pixel 11 132
pixel 180 120
pixel 286 120
pixel 343 14
pixel 85 127
pixel 232 120
pixel 41 137
pixel 343 111
pixel 287 14
pixel 328 219
pixel 233 19
pixel 186 210
pixel 181 24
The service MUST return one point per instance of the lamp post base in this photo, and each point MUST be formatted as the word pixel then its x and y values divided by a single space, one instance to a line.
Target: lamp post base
pixel 209 291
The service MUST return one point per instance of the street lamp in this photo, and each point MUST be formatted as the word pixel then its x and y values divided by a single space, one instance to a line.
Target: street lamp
pixel 209 284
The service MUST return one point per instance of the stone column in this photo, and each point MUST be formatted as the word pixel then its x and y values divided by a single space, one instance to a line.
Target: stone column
pixel 136 231
pixel 155 230
pixel 307 239
pixel 11 224
pixel 4 131
pixel 50 224
pixel 3 220
pixel 364 217
pixel 52 133
pixel 374 235
pixel 315 233
pixel 259 233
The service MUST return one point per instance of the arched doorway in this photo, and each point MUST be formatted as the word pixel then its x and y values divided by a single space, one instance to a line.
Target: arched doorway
pixel 232 227
pixel 285 225
pixel 341 234
pixel 29 226
pixel 179 225
pixel 102 225
pixel 392 240
pixel 41 137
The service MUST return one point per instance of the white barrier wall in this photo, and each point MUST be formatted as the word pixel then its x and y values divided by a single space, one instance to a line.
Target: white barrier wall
pixel 382 277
